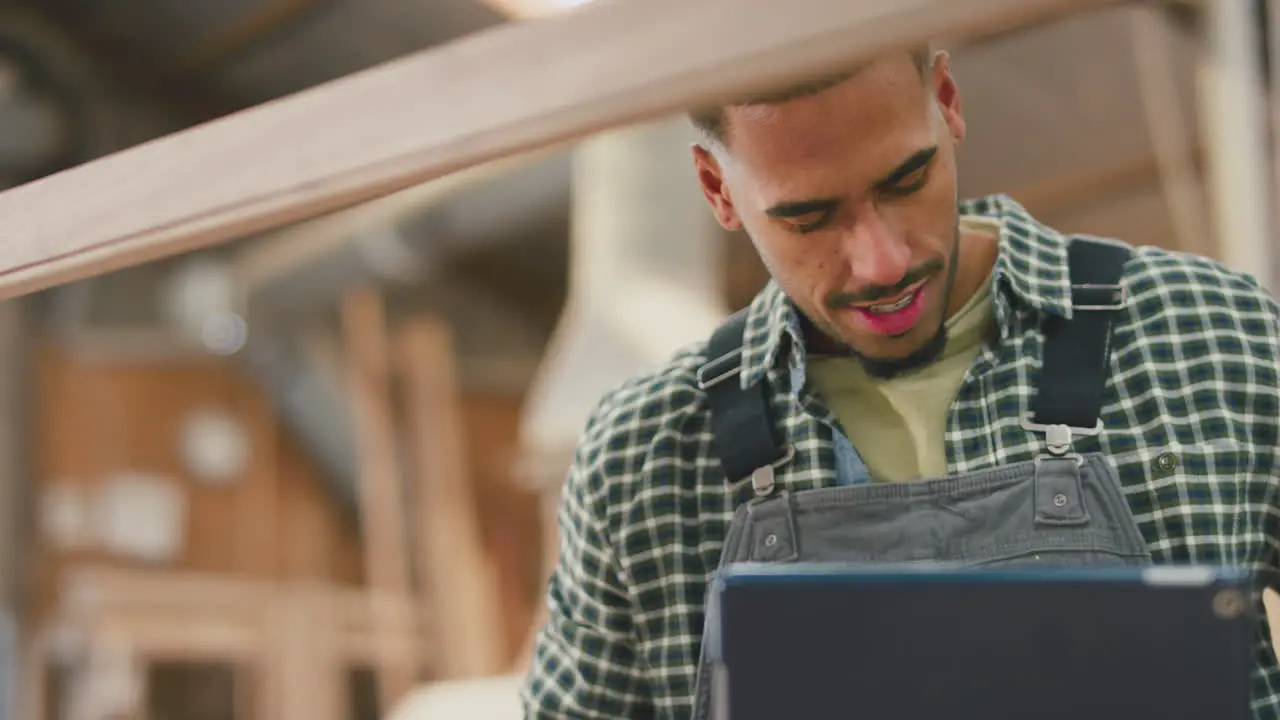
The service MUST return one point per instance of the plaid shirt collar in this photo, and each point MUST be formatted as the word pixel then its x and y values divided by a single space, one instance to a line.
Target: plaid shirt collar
pixel 1031 269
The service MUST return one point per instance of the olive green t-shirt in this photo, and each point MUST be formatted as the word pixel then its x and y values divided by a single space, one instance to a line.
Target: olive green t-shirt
pixel 897 425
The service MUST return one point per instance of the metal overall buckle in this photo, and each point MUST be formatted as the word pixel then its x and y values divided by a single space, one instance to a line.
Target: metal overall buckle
pixel 762 478
pixel 1058 438
pixel 1119 297
pixel 724 367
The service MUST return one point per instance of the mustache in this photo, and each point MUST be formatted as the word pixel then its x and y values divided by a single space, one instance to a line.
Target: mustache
pixel 873 293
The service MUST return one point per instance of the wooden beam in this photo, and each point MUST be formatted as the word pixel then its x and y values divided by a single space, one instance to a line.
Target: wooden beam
pixel 458 576
pixel 382 504
pixel 94 591
pixel 298 639
pixel 514 88
pixel 1064 193
pixel 306 678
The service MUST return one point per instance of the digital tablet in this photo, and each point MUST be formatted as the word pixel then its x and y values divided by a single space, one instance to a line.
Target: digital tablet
pixel 828 641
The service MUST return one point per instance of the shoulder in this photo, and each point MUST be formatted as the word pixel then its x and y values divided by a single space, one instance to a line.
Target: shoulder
pixel 629 421
pixel 1181 294
pixel 1186 276
pixel 1201 332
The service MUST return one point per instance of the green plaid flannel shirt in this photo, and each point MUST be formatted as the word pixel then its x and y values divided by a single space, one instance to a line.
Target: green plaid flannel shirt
pixel 645 507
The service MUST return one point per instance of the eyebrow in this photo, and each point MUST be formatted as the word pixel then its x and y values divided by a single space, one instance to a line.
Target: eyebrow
pixel 908 166
pixel 812 206
pixel 800 208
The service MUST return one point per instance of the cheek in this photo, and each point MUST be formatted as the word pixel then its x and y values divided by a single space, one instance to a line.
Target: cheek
pixel 822 262
pixel 942 186
pixel 928 218
pixel 801 265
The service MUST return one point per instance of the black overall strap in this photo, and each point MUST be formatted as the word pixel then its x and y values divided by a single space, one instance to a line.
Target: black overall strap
pixel 743 434
pixel 1077 351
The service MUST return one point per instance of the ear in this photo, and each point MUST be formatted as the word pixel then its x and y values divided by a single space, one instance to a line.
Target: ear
pixel 711 179
pixel 947 95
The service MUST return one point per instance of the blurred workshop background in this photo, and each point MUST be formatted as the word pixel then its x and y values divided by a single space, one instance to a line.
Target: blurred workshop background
pixel 309 475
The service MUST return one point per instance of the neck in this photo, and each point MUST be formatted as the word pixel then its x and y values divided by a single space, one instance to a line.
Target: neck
pixel 818 342
pixel 975 259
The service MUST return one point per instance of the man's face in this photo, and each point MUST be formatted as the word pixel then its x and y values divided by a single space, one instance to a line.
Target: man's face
pixel 849 196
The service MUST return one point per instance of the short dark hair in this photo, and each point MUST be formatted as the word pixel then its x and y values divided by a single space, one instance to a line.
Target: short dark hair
pixel 711 121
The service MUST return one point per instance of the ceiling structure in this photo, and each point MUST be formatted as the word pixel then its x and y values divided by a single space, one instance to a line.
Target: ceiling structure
pixel 1060 116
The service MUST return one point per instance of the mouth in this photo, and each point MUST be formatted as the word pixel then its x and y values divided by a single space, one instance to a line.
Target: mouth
pixel 895 316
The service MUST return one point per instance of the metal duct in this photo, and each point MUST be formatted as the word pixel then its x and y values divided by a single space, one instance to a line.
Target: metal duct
pixel 400 239
pixel 645 279
pixel 403 238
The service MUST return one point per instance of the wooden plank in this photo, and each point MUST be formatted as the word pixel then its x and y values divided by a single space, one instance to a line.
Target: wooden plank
pixel 259 508
pixel 459 577
pixel 198 636
pixel 1063 194
pixel 93 589
pixel 102 590
pixel 382 504
pixel 308 674
pixel 298 638
pixel 517 87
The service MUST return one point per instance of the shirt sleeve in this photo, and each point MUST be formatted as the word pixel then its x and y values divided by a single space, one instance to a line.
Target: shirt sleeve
pixel 584 661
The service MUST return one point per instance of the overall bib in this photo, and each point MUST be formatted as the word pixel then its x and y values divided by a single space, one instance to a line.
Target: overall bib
pixel 1061 508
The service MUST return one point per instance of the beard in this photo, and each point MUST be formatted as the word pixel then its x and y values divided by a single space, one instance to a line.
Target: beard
pixel 889 368
pixel 882 368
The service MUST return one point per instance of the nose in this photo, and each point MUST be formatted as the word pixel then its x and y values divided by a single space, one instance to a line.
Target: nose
pixel 877 254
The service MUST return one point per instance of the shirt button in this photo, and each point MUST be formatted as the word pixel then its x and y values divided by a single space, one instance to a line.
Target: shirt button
pixel 1167 462
pixel 1228 604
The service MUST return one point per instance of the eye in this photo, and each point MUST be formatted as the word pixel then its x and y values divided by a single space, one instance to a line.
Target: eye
pixel 810 222
pixel 909 183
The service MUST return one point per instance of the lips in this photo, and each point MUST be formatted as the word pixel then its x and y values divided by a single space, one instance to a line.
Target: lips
pixel 894 316
pixel 892 307
pixel 895 299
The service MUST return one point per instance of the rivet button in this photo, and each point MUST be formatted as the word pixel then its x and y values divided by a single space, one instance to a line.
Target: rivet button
pixel 770 540
pixel 1060 500
pixel 1167 462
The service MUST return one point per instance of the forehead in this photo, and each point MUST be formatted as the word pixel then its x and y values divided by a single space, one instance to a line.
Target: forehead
pixel 852 132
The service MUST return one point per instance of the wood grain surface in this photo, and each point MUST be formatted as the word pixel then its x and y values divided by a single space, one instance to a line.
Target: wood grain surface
pixel 518 87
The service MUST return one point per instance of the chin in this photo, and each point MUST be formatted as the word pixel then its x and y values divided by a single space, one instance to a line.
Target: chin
pixel 888 347
pixel 889 361
pixel 882 353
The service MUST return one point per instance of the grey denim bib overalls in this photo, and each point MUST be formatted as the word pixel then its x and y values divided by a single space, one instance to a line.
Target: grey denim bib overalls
pixel 1062 508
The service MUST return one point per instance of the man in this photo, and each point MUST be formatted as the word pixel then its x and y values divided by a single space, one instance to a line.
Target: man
pixel 1053 399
